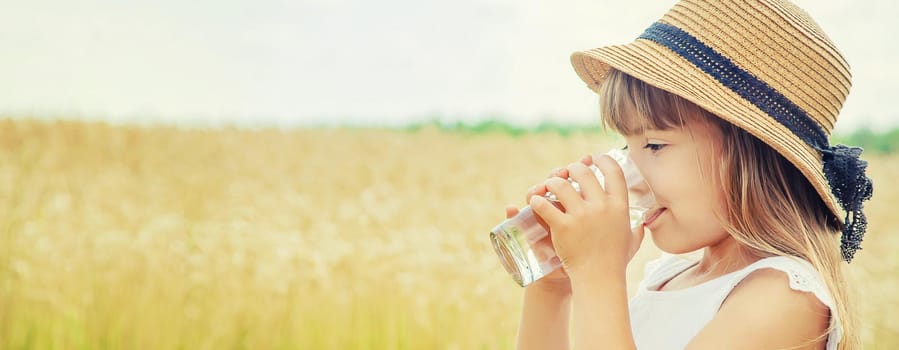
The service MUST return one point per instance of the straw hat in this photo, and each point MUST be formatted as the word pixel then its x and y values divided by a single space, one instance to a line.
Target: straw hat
pixel 764 66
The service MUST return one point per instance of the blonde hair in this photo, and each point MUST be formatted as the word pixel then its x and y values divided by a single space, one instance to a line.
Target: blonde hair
pixel 770 207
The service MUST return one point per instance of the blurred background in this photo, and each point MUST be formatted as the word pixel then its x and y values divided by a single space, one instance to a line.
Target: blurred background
pixel 323 174
pixel 338 62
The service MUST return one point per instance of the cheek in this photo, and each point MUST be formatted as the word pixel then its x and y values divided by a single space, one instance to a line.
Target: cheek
pixel 678 181
pixel 702 203
pixel 699 215
pixel 675 184
pixel 694 200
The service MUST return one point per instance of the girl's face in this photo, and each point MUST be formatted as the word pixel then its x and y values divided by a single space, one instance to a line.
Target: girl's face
pixel 679 165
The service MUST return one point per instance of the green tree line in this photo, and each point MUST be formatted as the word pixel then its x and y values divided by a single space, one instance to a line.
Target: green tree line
pixel 882 142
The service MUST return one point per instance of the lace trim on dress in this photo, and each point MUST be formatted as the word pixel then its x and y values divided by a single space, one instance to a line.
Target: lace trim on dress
pixel 803 277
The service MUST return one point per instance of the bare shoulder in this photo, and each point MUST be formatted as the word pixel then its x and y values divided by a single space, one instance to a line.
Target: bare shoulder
pixel 763 312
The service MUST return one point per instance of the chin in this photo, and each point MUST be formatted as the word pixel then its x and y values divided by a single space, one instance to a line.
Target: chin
pixel 674 245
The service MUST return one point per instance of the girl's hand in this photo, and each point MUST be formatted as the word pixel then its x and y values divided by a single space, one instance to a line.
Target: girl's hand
pixel 556 281
pixel 593 231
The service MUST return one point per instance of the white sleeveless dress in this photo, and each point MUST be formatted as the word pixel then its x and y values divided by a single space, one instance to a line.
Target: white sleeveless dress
pixel 670 319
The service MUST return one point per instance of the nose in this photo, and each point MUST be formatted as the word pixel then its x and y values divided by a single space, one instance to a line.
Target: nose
pixel 639 191
pixel 641 195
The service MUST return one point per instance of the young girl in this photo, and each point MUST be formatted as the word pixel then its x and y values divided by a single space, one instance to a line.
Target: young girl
pixel 725 107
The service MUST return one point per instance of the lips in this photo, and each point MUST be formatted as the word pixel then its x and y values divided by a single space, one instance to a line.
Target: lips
pixel 652 215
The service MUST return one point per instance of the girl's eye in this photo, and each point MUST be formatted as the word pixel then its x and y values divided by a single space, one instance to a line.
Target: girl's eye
pixel 655 147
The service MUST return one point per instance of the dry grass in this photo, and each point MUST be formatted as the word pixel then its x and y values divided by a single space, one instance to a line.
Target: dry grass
pixel 115 237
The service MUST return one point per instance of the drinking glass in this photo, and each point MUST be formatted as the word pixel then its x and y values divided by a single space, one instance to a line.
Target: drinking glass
pixel 523 241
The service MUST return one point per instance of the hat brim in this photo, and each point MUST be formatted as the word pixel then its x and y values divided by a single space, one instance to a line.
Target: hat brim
pixel 660 67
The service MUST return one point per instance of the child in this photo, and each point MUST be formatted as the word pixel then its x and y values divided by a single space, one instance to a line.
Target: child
pixel 725 107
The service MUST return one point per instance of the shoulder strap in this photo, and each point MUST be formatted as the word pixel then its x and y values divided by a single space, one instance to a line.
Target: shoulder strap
pixel 803 277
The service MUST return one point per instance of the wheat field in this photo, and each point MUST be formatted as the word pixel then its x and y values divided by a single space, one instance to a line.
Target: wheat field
pixel 122 237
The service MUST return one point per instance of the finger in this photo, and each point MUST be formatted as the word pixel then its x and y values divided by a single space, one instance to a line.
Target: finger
pixel 615 185
pixel 587 160
pixel 586 179
pixel 546 211
pixel 511 211
pixel 564 192
pixel 536 190
pixel 637 235
pixel 558 172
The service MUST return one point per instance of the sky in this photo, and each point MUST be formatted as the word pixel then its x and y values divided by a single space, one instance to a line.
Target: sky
pixel 358 62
